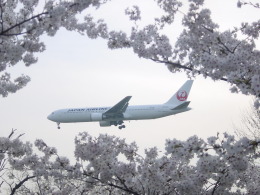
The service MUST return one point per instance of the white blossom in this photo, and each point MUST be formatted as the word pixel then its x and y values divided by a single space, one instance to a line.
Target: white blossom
pixel 108 164
pixel 22 25
pixel 202 48
pixel 217 165
pixel 134 13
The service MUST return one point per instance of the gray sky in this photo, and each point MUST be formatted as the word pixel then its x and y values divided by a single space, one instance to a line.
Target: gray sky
pixel 75 71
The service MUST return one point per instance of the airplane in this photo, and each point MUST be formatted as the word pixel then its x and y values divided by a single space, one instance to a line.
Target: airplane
pixel 117 114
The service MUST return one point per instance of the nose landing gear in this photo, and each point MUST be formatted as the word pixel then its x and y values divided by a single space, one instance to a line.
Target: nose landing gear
pixel 58 125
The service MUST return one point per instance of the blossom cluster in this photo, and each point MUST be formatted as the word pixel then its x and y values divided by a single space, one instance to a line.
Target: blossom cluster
pixel 134 13
pixel 107 164
pixel 202 48
pixel 22 25
pixel 220 55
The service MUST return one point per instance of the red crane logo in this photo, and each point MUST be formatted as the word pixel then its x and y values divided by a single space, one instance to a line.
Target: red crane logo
pixel 182 95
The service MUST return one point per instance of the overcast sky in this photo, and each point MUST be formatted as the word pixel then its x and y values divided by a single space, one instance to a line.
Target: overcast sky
pixel 75 71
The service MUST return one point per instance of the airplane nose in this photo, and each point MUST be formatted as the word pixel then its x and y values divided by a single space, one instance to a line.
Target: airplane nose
pixel 50 117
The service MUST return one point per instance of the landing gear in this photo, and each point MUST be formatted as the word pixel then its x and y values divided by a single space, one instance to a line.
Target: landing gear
pixel 120 123
pixel 58 125
pixel 121 127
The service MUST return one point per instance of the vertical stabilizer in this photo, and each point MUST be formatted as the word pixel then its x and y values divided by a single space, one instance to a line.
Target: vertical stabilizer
pixel 181 95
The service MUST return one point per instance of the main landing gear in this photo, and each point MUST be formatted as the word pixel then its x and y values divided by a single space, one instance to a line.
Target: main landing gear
pixel 121 127
pixel 58 125
pixel 120 123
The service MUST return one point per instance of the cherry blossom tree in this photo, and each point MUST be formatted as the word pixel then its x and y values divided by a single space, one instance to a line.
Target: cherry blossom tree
pixel 23 171
pixel 108 165
pixel 23 22
pixel 250 123
pixel 201 49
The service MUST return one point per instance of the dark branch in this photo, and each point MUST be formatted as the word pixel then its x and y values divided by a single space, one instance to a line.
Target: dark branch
pixel 11 134
pixel 17 186
pixel 216 186
pixel 111 184
pixel 2 22
pixel 126 190
pixel 16 34
pixel 220 42
pixel 256 5
pixel 19 24
pixel 122 182
pixel 178 65
pixel 210 30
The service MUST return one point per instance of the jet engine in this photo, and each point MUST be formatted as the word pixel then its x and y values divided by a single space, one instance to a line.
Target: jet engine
pixel 105 123
pixel 96 116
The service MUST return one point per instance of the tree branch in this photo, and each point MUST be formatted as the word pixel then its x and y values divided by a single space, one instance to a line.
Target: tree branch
pixel 122 182
pixel 17 186
pixel 2 22
pixel 220 42
pixel 19 24
pixel 111 184
pixel 216 186
pixel 11 134
pixel 178 65
pixel 256 5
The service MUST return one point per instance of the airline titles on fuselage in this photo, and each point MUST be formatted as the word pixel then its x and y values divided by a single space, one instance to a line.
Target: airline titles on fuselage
pixel 86 109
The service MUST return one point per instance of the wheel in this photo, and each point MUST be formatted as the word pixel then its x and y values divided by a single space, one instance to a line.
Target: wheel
pixel 119 127
pixel 58 127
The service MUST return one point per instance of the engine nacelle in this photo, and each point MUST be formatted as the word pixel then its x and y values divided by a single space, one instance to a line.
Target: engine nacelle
pixel 105 123
pixel 96 116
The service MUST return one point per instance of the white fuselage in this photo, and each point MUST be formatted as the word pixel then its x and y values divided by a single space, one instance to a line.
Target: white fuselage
pixel 120 112
pixel 142 112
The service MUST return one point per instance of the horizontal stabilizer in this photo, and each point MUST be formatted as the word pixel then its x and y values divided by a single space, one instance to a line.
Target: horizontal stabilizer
pixel 182 106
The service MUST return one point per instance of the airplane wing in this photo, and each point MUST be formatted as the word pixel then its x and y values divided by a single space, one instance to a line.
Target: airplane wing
pixel 118 109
